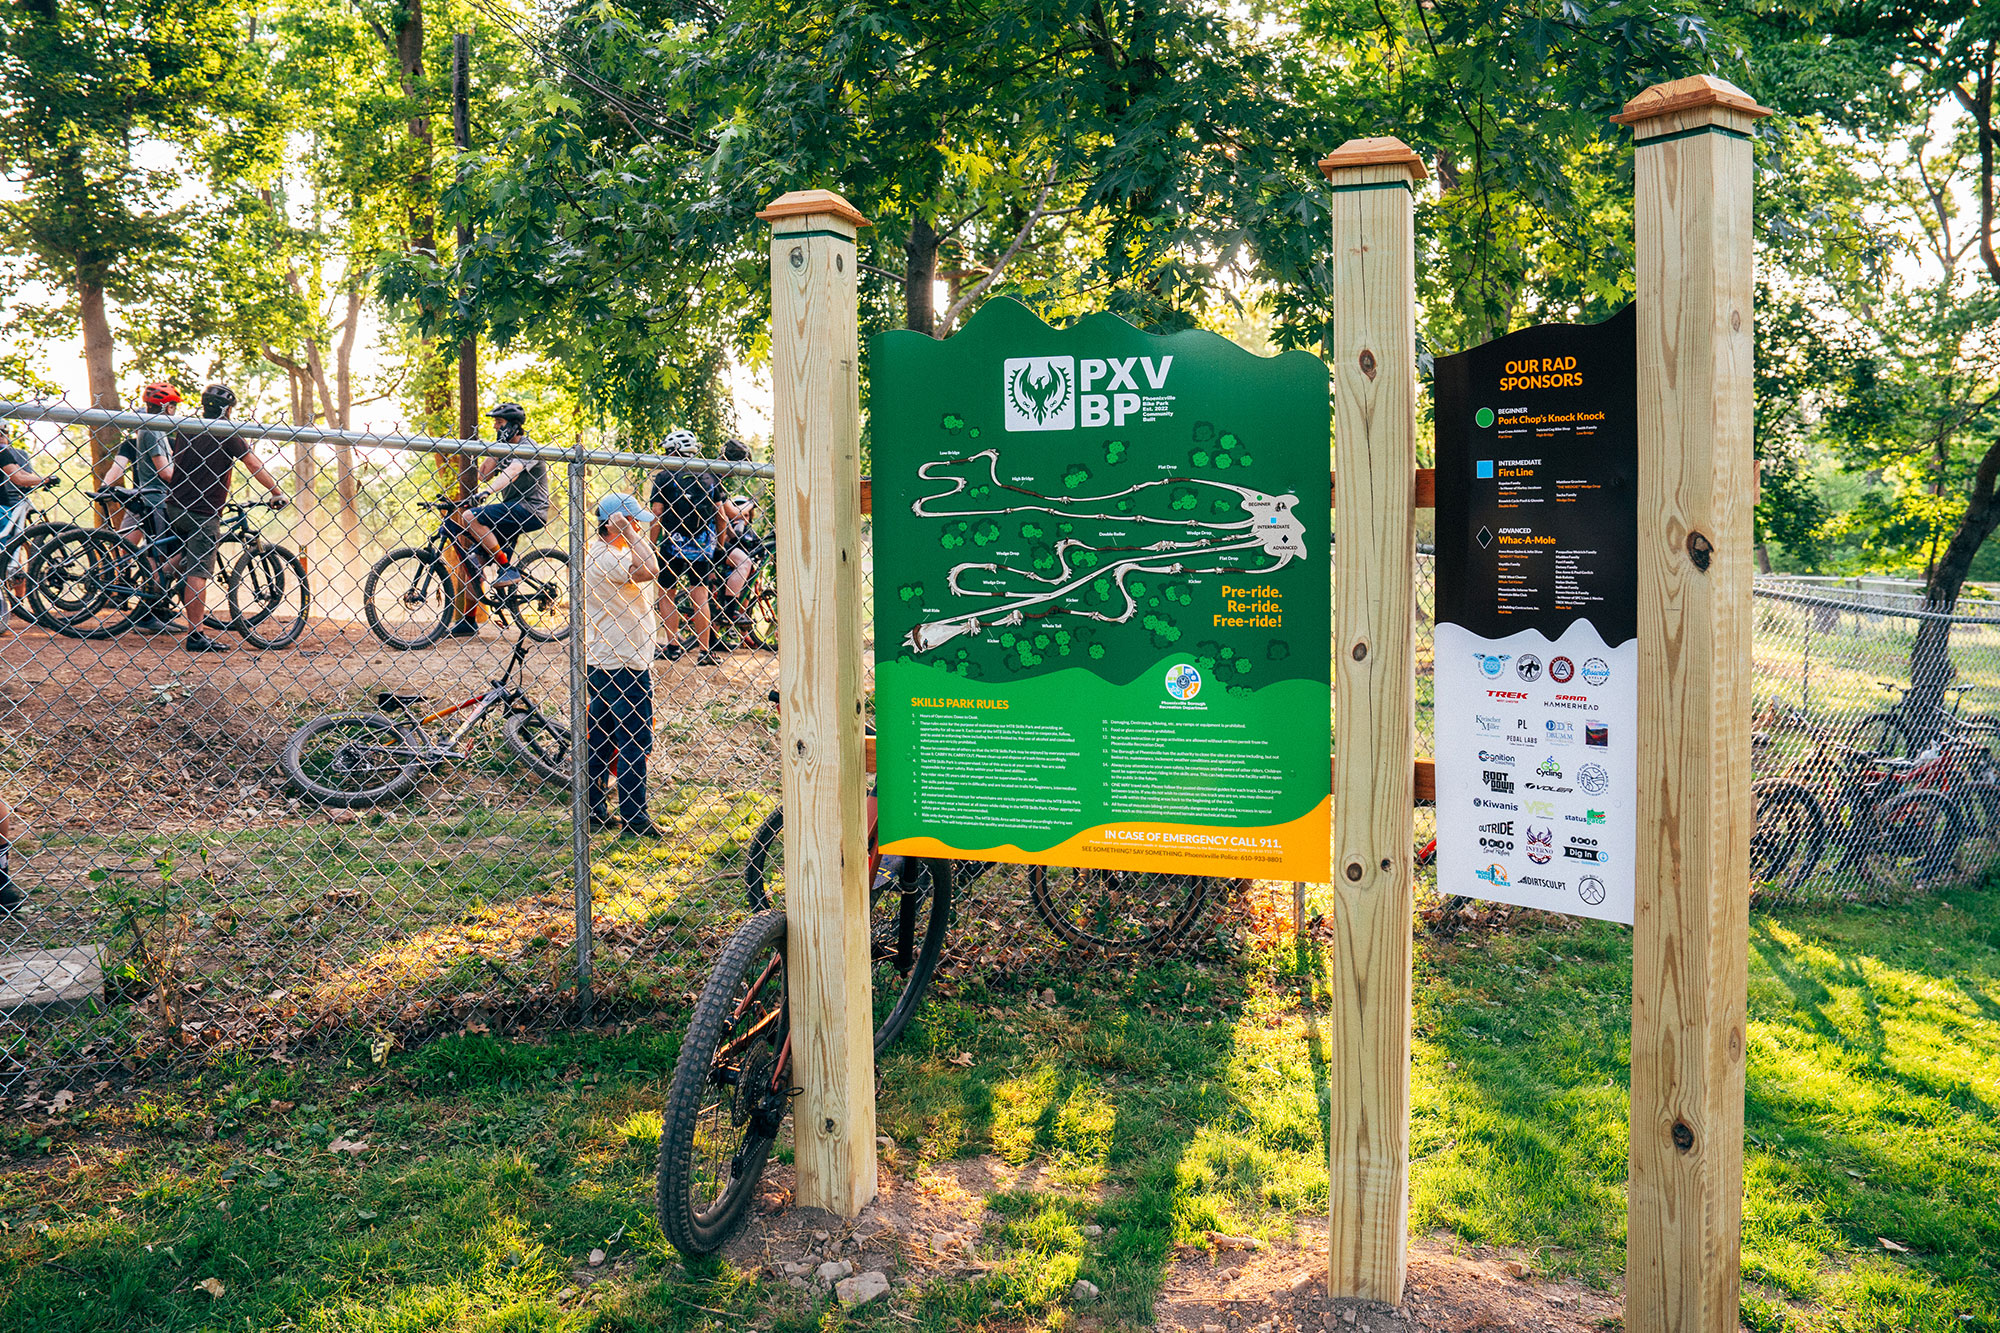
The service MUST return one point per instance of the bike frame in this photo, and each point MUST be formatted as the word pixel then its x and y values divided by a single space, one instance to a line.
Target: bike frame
pixel 498 691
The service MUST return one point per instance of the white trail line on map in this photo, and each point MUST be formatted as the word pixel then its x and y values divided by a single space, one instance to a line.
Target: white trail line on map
pixel 1270 526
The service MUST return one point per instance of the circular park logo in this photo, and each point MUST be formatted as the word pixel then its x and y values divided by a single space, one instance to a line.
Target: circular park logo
pixel 1595 672
pixel 1591 889
pixel 1592 778
pixel 1529 668
pixel 1490 663
pixel 1560 670
pixel 1484 416
pixel 1183 680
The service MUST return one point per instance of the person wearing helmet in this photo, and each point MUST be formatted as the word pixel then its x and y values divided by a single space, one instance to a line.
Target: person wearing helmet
pixel 148 455
pixel 521 502
pixel 692 529
pixel 205 455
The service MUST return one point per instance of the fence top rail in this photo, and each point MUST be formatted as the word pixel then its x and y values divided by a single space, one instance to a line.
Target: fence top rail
pixel 62 414
pixel 1861 608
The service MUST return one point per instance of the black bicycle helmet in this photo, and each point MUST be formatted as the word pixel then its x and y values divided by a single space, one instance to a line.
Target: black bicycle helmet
pixel 217 399
pixel 735 450
pixel 512 413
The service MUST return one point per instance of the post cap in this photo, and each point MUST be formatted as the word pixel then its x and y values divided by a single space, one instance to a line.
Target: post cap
pixel 801 203
pixel 1689 94
pixel 1384 151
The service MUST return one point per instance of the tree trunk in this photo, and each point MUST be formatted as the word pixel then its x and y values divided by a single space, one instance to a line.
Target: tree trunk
pixel 920 278
pixel 1931 668
pixel 100 370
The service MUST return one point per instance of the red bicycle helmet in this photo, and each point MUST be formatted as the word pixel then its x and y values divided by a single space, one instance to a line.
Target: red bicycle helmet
pixel 159 394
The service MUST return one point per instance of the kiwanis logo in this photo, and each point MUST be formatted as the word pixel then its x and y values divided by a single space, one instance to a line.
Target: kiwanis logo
pixel 1040 392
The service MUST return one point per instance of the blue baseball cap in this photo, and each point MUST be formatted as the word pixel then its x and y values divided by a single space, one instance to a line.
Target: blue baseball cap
pixel 618 502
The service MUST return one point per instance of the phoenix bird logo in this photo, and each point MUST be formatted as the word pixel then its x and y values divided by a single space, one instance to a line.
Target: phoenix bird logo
pixel 1041 392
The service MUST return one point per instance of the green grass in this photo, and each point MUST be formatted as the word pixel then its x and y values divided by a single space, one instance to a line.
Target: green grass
pixel 1161 1100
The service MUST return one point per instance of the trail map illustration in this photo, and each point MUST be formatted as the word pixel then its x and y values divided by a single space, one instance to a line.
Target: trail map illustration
pixel 1103 587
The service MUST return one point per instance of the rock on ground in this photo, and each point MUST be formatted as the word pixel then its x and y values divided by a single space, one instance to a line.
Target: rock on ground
pixel 861 1289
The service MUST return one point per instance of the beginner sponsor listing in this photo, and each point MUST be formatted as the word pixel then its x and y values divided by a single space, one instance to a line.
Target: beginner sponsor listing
pixel 1102 598
pixel 1537 703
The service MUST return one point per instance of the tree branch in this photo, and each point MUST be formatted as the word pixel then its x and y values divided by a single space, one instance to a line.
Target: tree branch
pixel 953 311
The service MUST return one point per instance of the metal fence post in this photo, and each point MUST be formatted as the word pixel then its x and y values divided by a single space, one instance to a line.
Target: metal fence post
pixel 579 742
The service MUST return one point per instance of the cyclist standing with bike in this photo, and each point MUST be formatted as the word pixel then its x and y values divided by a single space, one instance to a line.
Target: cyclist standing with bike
pixel 17 478
pixel 204 459
pixel 693 529
pixel 522 486
pixel 618 655
pixel 149 456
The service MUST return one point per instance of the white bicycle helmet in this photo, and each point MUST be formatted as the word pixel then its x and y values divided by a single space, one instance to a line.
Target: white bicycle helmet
pixel 681 443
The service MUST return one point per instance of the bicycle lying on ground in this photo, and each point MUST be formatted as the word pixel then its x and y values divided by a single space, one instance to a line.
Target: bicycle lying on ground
pixel 355 760
pixel 94 584
pixel 409 593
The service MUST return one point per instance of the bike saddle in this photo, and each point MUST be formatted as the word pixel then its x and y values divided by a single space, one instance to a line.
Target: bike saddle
pixel 392 701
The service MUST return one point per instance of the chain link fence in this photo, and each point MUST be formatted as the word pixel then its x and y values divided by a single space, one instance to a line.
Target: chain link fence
pixel 351 828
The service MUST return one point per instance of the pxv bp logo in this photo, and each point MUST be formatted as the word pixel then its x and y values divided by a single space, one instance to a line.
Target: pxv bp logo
pixel 1039 392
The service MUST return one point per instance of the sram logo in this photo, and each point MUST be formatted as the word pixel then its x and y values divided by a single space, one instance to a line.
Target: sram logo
pixel 1044 392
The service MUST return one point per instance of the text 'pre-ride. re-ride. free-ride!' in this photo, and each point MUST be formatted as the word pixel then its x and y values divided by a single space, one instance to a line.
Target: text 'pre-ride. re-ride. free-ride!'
pixel 1103 582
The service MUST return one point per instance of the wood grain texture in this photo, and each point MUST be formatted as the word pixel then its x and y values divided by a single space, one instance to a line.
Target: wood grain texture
pixel 1690 927
pixel 816 450
pixel 1424 497
pixel 1375 379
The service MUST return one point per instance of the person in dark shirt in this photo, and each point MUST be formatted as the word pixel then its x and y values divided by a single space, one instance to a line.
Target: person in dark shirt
pixel 521 503
pixel 205 458
pixel 692 529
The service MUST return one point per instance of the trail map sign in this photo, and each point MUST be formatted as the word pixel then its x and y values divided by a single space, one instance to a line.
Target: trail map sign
pixel 1102 598
pixel 1537 630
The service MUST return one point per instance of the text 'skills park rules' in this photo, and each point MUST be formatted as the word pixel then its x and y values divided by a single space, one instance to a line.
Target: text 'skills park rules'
pixel 1537 652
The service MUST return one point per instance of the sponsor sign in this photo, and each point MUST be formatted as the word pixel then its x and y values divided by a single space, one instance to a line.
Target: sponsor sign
pixel 1537 590
pixel 1103 599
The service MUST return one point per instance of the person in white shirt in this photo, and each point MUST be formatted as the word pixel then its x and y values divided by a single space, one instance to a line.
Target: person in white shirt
pixel 618 572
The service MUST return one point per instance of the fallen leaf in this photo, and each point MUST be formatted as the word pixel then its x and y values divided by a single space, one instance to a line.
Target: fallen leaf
pixel 364 1215
pixel 352 1147
pixel 1891 1245
pixel 963 1060
pixel 1515 1268
pixel 213 1286
pixel 596 1258
pixel 61 1101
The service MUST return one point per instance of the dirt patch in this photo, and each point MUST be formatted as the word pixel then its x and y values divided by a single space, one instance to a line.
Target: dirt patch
pixel 1280 1287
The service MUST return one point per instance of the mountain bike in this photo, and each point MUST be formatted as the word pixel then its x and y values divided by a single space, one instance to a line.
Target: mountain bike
pixel 1905 729
pixel 356 760
pixel 1890 821
pixel 409 594
pixel 95 584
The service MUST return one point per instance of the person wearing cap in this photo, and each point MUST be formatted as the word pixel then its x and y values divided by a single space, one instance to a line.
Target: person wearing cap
pixel 205 453
pixel 618 660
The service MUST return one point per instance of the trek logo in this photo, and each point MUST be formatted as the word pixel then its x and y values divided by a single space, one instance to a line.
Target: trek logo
pixel 1039 392
pixel 1549 768
pixel 1495 874
pixel 1505 828
pixel 1500 783
pixel 1542 808
pixel 1506 694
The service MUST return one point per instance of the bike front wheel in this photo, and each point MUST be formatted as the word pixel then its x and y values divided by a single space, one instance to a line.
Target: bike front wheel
pixel 1789 835
pixel 539 603
pixel 408 598
pixel 541 744
pixel 909 912
pixel 90 583
pixel 1119 911
pixel 1914 838
pixel 32 605
pixel 731 1089
pixel 269 597
pixel 353 760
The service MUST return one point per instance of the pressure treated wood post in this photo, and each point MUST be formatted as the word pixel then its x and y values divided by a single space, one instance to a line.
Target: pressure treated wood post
pixel 1697 484
pixel 1373 351
pixel 816 449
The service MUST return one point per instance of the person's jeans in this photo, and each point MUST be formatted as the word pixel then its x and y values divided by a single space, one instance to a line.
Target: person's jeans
pixel 621 736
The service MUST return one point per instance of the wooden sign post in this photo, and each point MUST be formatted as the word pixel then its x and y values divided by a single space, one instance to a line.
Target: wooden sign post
pixel 1372 349
pixel 1697 484
pixel 816 449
